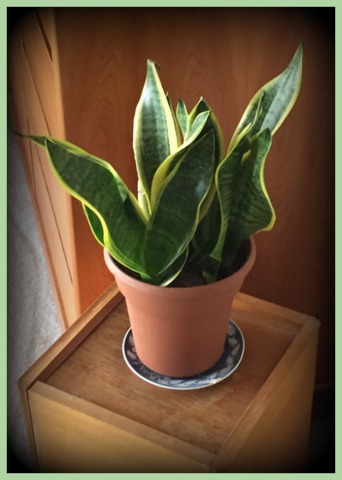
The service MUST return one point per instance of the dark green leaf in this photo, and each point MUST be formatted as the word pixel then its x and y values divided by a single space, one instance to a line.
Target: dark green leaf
pixel 176 214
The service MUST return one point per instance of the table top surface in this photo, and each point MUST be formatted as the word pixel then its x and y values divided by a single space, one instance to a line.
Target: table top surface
pixel 96 372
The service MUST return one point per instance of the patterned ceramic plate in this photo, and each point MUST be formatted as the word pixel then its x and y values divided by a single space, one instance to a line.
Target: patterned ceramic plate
pixel 228 363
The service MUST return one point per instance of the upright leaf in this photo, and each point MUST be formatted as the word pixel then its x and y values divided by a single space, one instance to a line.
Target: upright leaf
pixel 211 124
pixel 154 133
pixel 227 181
pixel 209 220
pixel 175 121
pixel 274 100
pixel 170 163
pixel 251 209
pixel 175 216
pixel 182 116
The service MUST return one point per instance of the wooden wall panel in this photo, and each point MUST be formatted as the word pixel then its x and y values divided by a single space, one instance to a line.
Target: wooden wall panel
pixel 17 101
pixel 51 204
pixel 37 108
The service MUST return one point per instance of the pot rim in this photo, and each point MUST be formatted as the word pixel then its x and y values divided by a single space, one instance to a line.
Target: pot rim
pixel 234 277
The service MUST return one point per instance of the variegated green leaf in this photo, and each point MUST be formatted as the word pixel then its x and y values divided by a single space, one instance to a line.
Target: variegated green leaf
pixel 172 271
pixel 204 238
pixel 227 179
pixel 211 124
pixel 105 197
pixel 95 224
pixel 175 121
pixel 169 163
pixel 182 116
pixel 251 210
pixel 175 216
pixel 154 134
pixel 143 201
pixel 273 101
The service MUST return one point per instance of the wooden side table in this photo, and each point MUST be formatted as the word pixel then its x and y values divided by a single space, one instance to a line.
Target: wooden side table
pixel 87 412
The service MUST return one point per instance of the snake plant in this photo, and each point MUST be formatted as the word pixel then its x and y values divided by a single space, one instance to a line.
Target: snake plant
pixel 197 203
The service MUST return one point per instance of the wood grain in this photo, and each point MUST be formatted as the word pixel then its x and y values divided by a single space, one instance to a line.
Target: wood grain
pixel 61 349
pixel 105 441
pixel 257 433
pixel 268 399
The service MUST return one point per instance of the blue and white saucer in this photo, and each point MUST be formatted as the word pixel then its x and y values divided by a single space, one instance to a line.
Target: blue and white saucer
pixel 228 363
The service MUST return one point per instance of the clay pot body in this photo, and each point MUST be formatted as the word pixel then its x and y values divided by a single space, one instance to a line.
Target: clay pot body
pixel 179 332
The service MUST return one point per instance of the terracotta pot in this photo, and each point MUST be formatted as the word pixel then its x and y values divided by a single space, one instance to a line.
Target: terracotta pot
pixel 179 332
